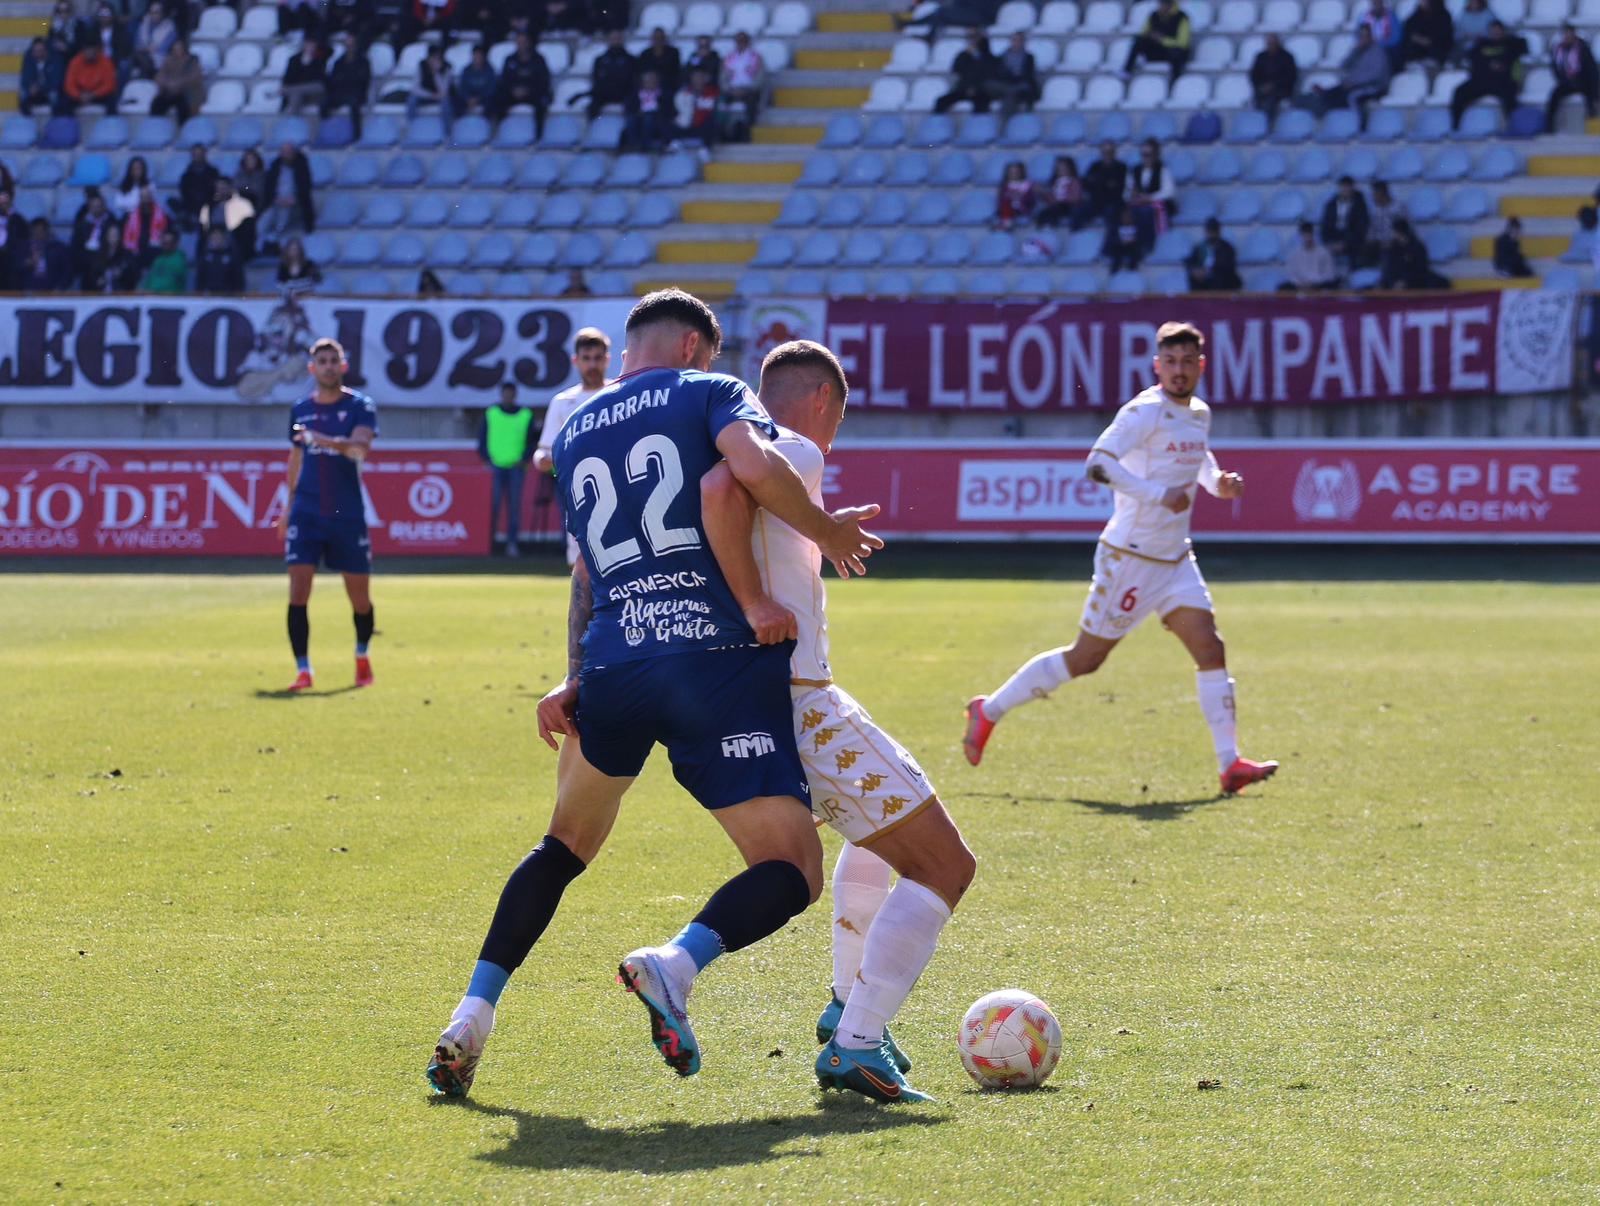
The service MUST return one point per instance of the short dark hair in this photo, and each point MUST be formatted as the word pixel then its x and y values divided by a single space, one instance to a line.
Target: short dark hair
pixel 1306 228
pixel 806 354
pixel 678 306
pixel 590 337
pixel 1175 334
pixel 1213 224
pixel 1344 180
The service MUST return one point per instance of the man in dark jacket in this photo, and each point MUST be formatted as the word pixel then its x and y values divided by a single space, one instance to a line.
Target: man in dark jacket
pixel 348 82
pixel 1344 222
pixel 662 57
pixel 971 73
pixel 1015 83
pixel 219 269
pixel 288 198
pixel 13 238
pixel 1428 35
pixel 525 80
pixel 1165 39
pixel 1104 184
pixel 1406 266
pixel 1213 264
pixel 42 77
pixel 1494 68
pixel 1273 76
pixel 1573 64
pixel 197 186
pixel 44 264
pixel 614 78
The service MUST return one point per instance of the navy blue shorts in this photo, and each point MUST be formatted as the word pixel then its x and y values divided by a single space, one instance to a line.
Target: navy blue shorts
pixel 340 544
pixel 723 714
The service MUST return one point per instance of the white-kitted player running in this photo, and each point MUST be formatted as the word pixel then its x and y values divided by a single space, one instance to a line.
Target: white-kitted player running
pixel 1153 455
pixel 863 782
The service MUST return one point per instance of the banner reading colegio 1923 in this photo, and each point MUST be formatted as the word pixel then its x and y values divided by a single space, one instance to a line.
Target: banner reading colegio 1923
pixel 439 352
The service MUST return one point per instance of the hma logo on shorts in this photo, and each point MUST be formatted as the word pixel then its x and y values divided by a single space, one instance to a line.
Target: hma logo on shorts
pixel 748 745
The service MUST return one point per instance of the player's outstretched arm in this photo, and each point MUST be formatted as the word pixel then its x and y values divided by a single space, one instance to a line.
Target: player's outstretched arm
pixel 557 711
pixel 728 514
pixel 774 484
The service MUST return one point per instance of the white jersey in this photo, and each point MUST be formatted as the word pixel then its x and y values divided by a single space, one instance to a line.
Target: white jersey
pixel 1153 445
pixel 561 408
pixel 791 566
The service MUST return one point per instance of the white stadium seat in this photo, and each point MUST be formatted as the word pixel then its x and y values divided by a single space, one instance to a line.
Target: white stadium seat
pixel 557 54
pixel 1445 84
pixel 1231 91
pixel 1061 92
pixel 457 55
pixel 1249 46
pixel 1146 92
pixel 1015 16
pixel 1406 90
pixel 260 24
pixel 1280 17
pixel 1513 12
pixel 217 24
pixel 888 95
pixel 1138 14
pixel 1083 56
pixel 1538 85
pixel 1336 50
pixel 1101 17
pixel 702 17
pixel 662 15
pixel 380 57
pixel 1236 16
pixel 1324 16
pixel 1212 54
pixel 208 54
pixel 1103 92
pixel 747 16
pixel 789 19
pixel 1201 16
pixel 774 53
pixel 1549 14
pixel 1058 17
pixel 136 97
pixel 224 96
pixel 266 96
pixel 1190 92
pixel 925 91
pixel 278 58
pixel 944 53
pixel 909 56
pixel 410 60
pixel 1304 47
pixel 1046 53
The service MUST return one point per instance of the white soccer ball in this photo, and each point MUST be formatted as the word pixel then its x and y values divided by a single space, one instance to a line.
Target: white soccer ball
pixel 1009 1040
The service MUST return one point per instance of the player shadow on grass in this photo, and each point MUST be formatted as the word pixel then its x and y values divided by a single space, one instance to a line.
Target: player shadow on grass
pixel 1148 810
pixel 263 693
pixel 549 1141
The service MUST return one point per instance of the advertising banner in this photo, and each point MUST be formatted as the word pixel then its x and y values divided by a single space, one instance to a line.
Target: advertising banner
pixel 439 352
pixel 1291 350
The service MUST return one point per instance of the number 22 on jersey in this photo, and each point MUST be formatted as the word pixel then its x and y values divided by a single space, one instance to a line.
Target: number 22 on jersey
pixel 593 476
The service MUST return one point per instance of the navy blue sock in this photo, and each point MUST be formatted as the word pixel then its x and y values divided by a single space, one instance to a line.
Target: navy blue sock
pixel 528 902
pixel 756 902
pixel 300 635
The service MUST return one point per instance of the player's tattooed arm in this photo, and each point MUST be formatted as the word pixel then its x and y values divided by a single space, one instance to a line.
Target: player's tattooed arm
pixel 580 610
pixel 1106 469
pixel 728 514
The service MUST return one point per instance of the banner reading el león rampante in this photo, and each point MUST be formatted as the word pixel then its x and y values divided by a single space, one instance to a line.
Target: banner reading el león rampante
pixel 1261 351
pixel 438 352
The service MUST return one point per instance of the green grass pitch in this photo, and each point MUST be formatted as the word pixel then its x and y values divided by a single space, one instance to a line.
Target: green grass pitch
pixel 234 924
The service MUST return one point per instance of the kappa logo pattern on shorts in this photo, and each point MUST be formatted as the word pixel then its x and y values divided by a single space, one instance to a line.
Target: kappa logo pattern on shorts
pixel 863 781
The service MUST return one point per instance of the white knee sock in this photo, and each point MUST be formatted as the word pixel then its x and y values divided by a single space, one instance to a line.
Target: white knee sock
pixel 1215 689
pixel 899 945
pixel 860 886
pixel 1037 678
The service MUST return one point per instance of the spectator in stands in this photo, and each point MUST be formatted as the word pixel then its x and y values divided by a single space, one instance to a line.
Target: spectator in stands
pixel 743 76
pixel 1428 36
pixel 153 36
pixel 976 14
pixel 250 179
pixel 296 273
pixel 1065 197
pixel 1345 223
pixel 1508 257
pixel 94 244
pixel 971 74
pixel 42 76
pixel 1585 245
pixel 1363 76
pixel 288 198
pixel 1383 213
pixel 1213 265
pixel 180 83
pixel 1015 83
pixel 143 228
pixel 429 17
pixel 197 186
pixel 478 88
pixel 1471 26
pixel 1494 68
pixel 1151 195
pixel 429 284
pixel 234 216
pixel 1123 247
pixel 91 80
pixel 696 110
pixel 1273 76
pixel 435 86
pixel 13 238
pixel 8 182
pixel 1572 63
pixel 1017 196
pixel 662 57
pixel 296 15
pixel 576 286
pixel 1406 266
pixel 125 198
pixel 61 34
pixel 1106 181
pixel 525 80
pixel 220 270
pixel 613 79
pixel 704 57
pixel 304 77
pixel 348 82
pixel 649 125
pixel 110 34
pixel 1310 264
pixel 44 265
pixel 169 269
pixel 1381 22
pixel 1164 39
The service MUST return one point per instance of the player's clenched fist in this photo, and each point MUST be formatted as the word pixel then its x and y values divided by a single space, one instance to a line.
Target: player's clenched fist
pixel 1230 485
pixel 1176 500
pixel 771 621
pixel 557 713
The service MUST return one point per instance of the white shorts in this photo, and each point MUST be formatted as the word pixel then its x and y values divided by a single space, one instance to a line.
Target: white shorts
pixel 1127 588
pixel 863 782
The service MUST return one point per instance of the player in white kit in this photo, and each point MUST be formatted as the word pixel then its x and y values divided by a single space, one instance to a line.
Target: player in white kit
pixel 591 354
pixel 863 782
pixel 1153 455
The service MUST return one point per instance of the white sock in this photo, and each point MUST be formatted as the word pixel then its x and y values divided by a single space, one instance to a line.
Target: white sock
pixel 1215 689
pixel 1037 678
pixel 479 1011
pixel 860 884
pixel 899 945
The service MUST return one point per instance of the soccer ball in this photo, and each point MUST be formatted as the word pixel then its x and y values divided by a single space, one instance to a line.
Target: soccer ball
pixel 1009 1040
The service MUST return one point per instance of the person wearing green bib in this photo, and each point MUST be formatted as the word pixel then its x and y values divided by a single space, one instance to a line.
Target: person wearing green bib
pixel 506 443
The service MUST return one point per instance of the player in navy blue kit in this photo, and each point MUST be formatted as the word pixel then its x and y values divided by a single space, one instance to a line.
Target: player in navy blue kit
pixel 659 652
pixel 331 430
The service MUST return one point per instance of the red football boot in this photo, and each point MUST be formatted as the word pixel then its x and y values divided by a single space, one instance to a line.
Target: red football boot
pixel 1243 773
pixel 302 681
pixel 979 727
pixel 363 672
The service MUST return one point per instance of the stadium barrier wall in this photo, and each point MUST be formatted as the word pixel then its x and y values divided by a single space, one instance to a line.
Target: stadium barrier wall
pixel 70 499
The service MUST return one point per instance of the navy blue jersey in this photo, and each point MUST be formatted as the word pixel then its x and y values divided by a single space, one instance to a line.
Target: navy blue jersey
pixel 330 482
pixel 628 468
